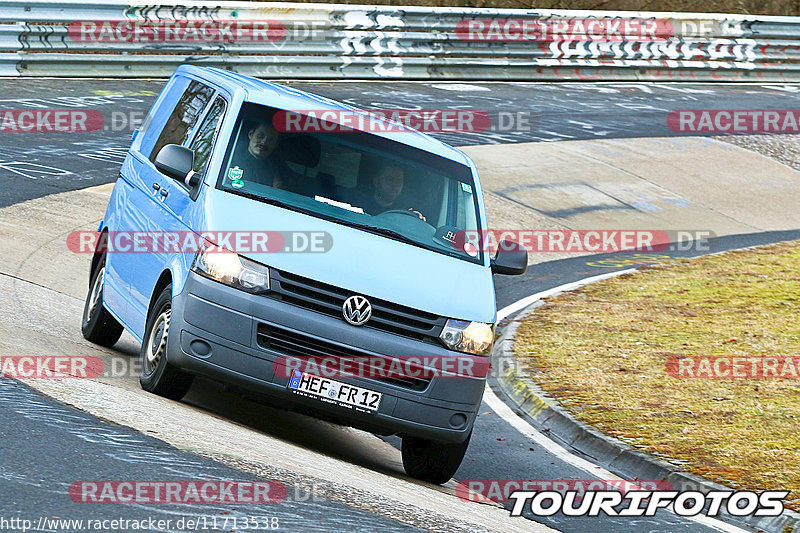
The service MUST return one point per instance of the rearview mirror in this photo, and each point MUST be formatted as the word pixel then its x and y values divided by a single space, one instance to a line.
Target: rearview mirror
pixel 176 161
pixel 511 259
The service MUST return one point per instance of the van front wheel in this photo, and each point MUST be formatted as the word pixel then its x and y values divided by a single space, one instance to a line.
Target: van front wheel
pixel 158 376
pixel 431 461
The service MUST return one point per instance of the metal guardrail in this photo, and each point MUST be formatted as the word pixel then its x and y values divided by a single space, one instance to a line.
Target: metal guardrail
pixel 97 38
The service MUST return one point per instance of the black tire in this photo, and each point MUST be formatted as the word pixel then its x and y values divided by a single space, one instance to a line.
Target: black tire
pixel 434 462
pixel 158 375
pixel 97 324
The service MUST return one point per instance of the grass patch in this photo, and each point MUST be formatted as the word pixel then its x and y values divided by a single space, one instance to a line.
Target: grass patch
pixel 602 352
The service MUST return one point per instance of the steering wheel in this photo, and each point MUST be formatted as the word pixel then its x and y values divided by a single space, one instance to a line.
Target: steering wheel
pixel 402 212
pixel 410 212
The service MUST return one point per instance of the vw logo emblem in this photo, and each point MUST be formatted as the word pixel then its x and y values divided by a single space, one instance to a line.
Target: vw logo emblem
pixel 357 310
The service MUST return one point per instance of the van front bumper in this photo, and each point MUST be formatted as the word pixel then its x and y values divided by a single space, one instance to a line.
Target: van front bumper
pixel 214 332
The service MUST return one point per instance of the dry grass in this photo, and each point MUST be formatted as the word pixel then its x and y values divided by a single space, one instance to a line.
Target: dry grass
pixel 602 353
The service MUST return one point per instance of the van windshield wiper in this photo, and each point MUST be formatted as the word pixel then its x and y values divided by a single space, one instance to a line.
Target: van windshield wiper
pixel 264 199
pixel 392 234
pixel 276 203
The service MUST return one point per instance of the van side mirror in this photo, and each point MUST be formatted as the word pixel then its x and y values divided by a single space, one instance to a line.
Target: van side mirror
pixel 176 161
pixel 511 259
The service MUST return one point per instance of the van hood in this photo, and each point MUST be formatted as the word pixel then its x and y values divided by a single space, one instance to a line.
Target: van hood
pixel 365 263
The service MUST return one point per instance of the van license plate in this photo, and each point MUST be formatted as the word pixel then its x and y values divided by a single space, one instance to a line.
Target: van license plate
pixel 335 392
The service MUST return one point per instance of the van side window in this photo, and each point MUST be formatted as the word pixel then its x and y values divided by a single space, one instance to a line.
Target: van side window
pixel 204 139
pixel 183 117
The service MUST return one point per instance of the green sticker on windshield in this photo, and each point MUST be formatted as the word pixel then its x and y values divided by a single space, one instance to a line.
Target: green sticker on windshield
pixel 237 183
pixel 466 187
pixel 235 173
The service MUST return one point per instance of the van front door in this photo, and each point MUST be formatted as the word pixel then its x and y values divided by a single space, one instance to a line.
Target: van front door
pixel 158 206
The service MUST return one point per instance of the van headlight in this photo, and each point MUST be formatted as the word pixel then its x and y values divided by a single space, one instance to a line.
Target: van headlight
pixel 231 269
pixel 468 337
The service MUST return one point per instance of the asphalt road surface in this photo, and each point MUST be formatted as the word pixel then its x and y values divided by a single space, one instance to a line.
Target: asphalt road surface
pixel 46 447
pixel 33 164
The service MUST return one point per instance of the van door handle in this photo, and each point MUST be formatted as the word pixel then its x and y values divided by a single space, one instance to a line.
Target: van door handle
pixel 156 186
pixel 164 192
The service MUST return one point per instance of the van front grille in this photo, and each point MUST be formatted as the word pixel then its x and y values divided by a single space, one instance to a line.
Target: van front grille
pixel 329 299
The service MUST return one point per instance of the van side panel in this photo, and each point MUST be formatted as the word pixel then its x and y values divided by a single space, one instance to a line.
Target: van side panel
pixel 137 207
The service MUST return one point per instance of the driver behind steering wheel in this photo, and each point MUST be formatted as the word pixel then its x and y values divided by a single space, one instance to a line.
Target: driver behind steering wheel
pixel 387 186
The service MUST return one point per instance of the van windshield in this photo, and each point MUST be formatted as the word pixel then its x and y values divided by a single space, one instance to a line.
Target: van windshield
pixel 354 178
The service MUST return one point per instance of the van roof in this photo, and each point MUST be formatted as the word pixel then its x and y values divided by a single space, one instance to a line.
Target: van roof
pixel 297 99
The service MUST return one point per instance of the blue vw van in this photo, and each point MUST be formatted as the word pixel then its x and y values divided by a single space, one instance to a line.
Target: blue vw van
pixel 387 282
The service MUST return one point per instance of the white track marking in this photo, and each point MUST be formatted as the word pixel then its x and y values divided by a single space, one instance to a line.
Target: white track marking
pixel 460 87
pixel 500 408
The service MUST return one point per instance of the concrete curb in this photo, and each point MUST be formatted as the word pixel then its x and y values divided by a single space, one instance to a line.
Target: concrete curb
pixel 529 401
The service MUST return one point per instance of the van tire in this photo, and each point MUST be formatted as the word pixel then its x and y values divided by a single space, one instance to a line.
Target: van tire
pixel 97 324
pixel 158 375
pixel 431 461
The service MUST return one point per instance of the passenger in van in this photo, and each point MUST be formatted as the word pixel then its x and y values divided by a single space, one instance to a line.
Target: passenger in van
pixel 259 163
pixel 387 188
